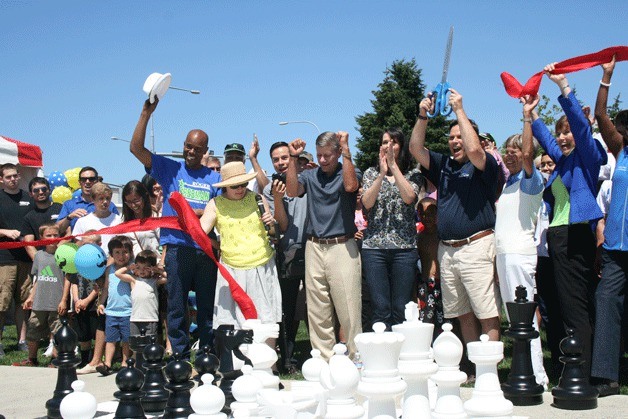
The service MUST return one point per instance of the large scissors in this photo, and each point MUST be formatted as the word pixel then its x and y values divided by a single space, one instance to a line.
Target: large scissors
pixel 441 90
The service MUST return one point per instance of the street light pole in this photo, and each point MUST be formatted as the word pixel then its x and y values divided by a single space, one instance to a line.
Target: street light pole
pixel 301 122
pixel 152 124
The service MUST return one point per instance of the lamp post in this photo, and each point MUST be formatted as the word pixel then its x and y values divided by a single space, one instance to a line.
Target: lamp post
pixel 120 139
pixel 301 122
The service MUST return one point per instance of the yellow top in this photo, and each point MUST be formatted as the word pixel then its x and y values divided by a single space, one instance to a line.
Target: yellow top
pixel 561 203
pixel 243 239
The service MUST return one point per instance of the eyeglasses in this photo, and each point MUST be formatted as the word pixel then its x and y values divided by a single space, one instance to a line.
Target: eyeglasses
pixel 43 189
pixel 15 176
pixel 134 203
pixel 90 179
pixel 234 187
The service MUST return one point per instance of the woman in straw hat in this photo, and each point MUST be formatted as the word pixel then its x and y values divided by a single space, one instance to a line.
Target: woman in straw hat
pixel 244 248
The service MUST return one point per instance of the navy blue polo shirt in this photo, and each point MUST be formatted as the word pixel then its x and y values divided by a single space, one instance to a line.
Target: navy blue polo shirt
pixel 466 195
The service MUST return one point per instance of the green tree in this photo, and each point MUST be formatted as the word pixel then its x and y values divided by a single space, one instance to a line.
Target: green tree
pixel 396 104
pixel 615 107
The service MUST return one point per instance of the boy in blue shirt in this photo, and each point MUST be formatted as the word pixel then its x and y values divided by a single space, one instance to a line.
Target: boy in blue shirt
pixel 118 296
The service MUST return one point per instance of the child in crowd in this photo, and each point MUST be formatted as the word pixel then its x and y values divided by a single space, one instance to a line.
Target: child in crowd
pixel 101 217
pixel 87 323
pixel 46 296
pixel 430 300
pixel 118 297
pixel 143 276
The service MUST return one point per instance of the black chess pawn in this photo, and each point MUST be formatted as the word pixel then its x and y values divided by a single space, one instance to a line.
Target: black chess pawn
pixel 521 387
pixel 129 380
pixel 65 341
pixel 137 343
pixel 573 391
pixel 178 372
pixel 228 341
pixel 156 395
pixel 206 363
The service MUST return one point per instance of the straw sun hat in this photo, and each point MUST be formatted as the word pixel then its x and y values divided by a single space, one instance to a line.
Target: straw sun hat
pixel 234 173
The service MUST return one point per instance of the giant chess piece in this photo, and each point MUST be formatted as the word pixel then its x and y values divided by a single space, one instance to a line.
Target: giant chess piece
pixel 137 343
pixel 573 391
pixel 447 353
pixel 129 380
pixel 415 362
pixel 521 387
pixel 244 390
pixel 207 400
pixel 380 381
pixel 79 404
pixel 341 379
pixel 262 356
pixel 178 372
pixel 228 341
pixel 206 363
pixel 487 399
pixel 156 395
pixel 65 341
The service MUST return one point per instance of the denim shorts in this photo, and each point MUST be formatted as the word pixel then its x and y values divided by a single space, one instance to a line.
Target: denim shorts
pixel 117 329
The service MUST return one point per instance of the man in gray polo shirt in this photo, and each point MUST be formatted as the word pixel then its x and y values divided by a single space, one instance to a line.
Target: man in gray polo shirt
pixel 332 260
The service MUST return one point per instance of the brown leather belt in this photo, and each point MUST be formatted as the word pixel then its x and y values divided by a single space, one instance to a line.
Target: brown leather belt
pixel 460 243
pixel 331 240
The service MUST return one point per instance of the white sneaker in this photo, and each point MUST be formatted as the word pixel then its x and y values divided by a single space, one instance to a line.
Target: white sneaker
pixel 49 350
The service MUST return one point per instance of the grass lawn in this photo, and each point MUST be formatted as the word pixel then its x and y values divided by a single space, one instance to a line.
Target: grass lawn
pixel 302 352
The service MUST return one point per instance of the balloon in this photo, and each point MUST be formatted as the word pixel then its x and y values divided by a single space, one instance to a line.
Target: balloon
pixel 65 255
pixel 60 194
pixel 90 261
pixel 73 177
pixel 57 178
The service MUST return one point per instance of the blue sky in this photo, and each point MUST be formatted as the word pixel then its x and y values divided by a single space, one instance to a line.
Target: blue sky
pixel 72 71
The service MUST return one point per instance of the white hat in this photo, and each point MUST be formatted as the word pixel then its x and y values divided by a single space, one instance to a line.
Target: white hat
pixel 156 85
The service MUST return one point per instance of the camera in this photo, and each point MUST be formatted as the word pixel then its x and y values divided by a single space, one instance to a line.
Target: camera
pixel 280 177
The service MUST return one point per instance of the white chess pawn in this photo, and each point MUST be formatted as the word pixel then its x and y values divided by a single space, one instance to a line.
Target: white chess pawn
pixel 487 399
pixel 207 400
pixel 244 390
pixel 340 378
pixel 79 404
pixel 447 353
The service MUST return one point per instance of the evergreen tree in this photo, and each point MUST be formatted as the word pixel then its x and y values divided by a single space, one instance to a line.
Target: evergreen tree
pixel 396 104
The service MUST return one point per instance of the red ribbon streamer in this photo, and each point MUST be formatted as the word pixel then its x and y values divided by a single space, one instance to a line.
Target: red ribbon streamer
pixel 186 221
pixel 516 90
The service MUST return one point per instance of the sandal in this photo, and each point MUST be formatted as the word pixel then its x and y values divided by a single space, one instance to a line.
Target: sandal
pixel 104 370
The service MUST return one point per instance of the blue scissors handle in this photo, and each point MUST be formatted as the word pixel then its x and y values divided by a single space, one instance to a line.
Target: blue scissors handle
pixel 440 100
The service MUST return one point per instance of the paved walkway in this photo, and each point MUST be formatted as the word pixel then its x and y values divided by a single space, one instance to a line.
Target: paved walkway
pixel 25 392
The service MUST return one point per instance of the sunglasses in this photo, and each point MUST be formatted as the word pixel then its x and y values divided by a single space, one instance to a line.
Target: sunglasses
pixel 91 179
pixel 234 187
pixel 43 189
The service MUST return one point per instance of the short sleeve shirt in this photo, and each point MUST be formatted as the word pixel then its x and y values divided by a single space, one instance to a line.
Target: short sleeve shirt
pixel 391 222
pixel 195 186
pixel 77 202
pixel 331 209
pixel 466 195
pixel 36 217
pixel 13 208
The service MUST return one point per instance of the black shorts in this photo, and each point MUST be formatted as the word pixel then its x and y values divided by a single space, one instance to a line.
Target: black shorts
pixel 86 324
pixel 102 321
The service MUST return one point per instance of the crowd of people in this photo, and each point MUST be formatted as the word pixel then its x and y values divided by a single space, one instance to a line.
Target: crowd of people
pixel 458 233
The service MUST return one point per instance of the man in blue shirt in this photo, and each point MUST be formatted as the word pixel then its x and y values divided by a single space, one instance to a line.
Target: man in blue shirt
pixel 188 267
pixel 80 204
pixel 467 183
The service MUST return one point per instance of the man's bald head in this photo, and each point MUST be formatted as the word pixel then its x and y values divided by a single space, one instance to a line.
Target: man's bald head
pixel 194 147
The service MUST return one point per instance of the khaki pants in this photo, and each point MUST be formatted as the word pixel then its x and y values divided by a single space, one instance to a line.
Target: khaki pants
pixel 333 282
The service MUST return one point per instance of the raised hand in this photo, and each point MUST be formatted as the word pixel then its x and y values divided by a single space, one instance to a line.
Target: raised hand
pixel 343 139
pixel 529 103
pixel 278 189
pixel 383 164
pixel 254 150
pixel 609 67
pixel 455 100
pixel 296 147
pixel 427 104
pixel 559 79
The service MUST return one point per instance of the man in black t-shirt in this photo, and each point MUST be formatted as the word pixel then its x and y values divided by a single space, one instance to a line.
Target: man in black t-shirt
pixel 15 264
pixel 44 211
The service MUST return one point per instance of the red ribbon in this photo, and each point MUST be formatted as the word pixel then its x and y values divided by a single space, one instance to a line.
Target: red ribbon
pixel 516 90
pixel 186 221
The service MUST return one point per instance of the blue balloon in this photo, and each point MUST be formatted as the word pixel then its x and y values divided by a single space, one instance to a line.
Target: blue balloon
pixel 57 178
pixel 90 261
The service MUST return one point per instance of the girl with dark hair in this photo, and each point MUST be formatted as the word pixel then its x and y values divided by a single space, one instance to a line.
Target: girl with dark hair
pixel 570 198
pixel 155 192
pixel 136 205
pixel 611 291
pixel 389 253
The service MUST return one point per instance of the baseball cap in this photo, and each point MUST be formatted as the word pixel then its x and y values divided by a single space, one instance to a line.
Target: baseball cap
pixel 306 155
pixel 235 147
pixel 486 136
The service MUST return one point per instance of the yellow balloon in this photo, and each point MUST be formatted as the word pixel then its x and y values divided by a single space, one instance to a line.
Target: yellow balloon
pixel 61 194
pixel 72 175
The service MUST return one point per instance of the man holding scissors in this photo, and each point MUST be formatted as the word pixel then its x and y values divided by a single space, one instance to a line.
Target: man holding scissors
pixel 466 181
